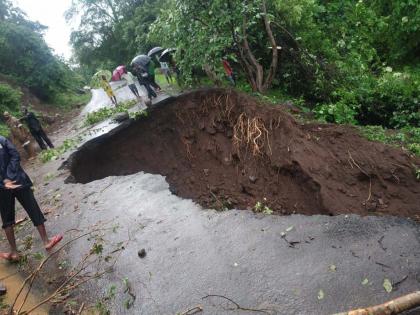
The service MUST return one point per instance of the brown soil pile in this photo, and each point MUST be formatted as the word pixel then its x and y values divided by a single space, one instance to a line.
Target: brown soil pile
pixel 225 150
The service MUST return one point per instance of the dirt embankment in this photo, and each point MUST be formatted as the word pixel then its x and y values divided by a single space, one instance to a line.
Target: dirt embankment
pixel 223 149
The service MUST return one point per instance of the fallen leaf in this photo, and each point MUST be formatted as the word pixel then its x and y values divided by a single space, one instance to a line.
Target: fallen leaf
pixel 289 228
pixel 387 285
pixel 333 268
pixel 365 281
pixel 321 294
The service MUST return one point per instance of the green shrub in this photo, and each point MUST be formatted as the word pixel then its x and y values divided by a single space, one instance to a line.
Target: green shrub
pixel 408 137
pixel 9 98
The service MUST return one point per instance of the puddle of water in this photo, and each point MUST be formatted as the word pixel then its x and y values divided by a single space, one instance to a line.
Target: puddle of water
pixel 13 282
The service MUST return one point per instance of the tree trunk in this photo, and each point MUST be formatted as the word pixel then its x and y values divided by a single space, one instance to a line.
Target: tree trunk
pixel 212 75
pixel 253 69
pixel 393 307
pixel 274 52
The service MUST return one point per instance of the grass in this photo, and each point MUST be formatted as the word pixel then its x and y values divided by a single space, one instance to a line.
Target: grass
pixel 172 88
pixel 408 137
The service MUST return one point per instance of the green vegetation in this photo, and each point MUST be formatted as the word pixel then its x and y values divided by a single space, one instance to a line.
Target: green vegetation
pixel 9 98
pixel 408 137
pixel 107 112
pixel 54 154
pixel 27 59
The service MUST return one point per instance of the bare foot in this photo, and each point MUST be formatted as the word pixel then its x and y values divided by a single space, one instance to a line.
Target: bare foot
pixel 53 241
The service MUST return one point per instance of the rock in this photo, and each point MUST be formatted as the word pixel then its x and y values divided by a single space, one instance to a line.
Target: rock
pixel 142 253
pixel 206 171
pixel 3 289
pixel 120 117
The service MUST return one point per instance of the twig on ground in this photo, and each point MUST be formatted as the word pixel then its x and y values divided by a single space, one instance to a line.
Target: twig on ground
pixel 380 243
pixel 398 283
pixel 237 306
pixel 82 307
pixel 383 265
pixel 192 311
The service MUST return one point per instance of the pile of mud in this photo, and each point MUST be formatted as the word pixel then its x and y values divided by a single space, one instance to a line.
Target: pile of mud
pixel 224 150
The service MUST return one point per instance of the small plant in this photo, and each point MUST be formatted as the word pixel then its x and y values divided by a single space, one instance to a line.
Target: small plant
pixel 107 112
pixel 54 154
pixel 139 114
pixel 97 249
pixel 262 207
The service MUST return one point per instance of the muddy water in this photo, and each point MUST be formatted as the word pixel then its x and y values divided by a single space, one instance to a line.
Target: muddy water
pixel 13 281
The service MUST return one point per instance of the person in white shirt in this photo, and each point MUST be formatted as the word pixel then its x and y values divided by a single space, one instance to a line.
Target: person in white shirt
pixel 166 71
pixel 129 79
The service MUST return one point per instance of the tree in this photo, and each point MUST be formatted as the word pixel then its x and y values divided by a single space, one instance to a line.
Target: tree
pixel 204 32
pixel 26 57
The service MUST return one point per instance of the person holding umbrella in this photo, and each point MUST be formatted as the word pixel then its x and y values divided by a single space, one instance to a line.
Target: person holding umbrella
pixel 108 90
pixel 16 184
pixel 140 65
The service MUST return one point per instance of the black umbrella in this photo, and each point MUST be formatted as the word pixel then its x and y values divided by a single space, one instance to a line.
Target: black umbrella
pixel 140 60
pixel 155 51
pixel 166 55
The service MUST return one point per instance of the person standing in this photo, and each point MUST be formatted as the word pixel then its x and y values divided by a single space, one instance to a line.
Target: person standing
pixel 166 72
pixel 152 76
pixel 128 77
pixel 108 90
pixel 143 78
pixel 16 184
pixel 35 129
pixel 228 70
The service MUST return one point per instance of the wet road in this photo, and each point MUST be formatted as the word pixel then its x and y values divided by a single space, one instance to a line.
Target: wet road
pixel 286 264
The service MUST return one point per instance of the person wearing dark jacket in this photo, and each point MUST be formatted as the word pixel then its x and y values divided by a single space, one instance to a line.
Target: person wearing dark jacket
pixel 36 130
pixel 143 78
pixel 16 184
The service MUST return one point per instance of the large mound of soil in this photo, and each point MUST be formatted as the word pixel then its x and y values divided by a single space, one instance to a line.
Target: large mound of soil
pixel 223 149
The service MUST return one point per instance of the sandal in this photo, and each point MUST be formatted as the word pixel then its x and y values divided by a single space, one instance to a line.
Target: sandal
pixel 53 241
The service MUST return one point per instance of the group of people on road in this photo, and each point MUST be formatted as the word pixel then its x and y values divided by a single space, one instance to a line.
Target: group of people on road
pixel 146 78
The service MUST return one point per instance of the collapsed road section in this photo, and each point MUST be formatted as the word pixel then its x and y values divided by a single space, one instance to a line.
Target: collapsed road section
pixel 224 150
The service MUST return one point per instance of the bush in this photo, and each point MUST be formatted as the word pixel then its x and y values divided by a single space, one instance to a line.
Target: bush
pixel 391 100
pixel 9 98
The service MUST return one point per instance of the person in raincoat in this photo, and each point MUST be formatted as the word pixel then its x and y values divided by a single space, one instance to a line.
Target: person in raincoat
pixel 35 129
pixel 16 184
pixel 108 90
